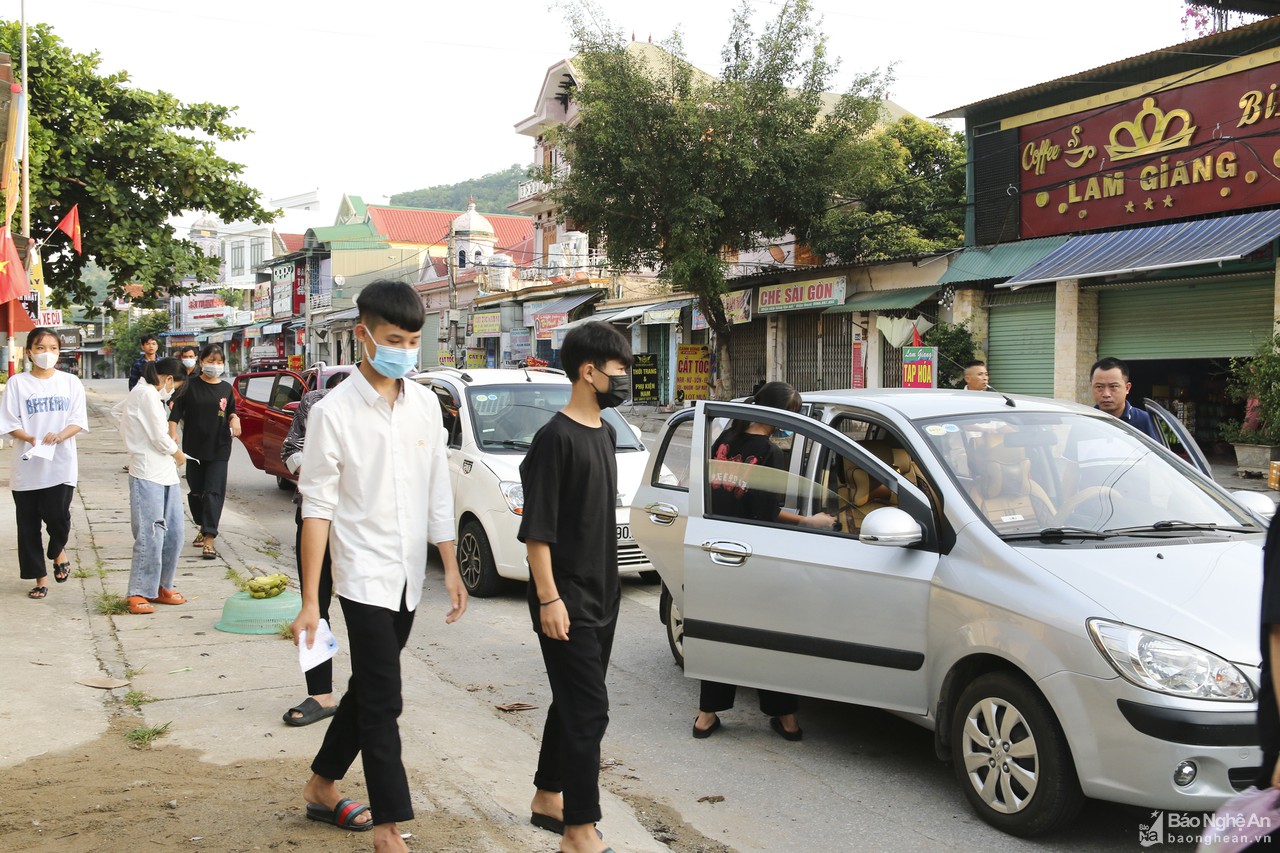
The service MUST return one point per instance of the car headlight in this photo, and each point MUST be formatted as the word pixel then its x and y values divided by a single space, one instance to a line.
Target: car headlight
pixel 1168 666
pixel 514 494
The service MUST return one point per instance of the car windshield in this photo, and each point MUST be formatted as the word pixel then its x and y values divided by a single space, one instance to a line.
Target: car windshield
pixel 1065 475
pixel 506 417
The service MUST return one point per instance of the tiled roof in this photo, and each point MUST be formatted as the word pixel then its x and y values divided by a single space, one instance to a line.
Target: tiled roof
pixel 292 242
pixel 431 227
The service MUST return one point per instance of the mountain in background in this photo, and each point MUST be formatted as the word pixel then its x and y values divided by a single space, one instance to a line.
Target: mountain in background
pixel 493 192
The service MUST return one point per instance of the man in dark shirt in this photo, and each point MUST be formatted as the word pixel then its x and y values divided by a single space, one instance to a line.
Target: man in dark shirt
pixel 570 481
pixel 1109 381
pixel 147 346
pixel 1268 707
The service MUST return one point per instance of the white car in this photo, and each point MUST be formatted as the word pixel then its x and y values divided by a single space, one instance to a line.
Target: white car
pixel 491 417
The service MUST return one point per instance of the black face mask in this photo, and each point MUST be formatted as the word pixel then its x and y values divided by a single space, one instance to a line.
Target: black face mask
pixel 619 392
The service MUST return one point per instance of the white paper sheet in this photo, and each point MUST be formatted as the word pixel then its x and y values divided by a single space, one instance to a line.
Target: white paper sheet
pixel 40 451
pixel 325 647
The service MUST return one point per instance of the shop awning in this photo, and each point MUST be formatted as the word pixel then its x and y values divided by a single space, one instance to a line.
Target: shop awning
pixel 273 328
pixel 628 315
pixel 558 333
pixel 349 314
pixel 885 300
pixel 663 313
pixel 565 305
pixel 983 263
pixel 1178 244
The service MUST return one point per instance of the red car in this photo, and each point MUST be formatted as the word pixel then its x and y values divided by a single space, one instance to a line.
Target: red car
pixel 266 402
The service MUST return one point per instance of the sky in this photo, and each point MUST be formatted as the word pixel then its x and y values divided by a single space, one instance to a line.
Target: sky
pixel 375 97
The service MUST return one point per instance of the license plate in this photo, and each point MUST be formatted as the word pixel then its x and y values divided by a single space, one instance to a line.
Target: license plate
pixel 624 532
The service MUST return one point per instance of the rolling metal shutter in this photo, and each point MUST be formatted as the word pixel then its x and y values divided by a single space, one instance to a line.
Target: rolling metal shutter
pixel 1201 319
pixel 747 356
pixel 804 345
pixel 1020 343
pixel 837 351
pixel 429 355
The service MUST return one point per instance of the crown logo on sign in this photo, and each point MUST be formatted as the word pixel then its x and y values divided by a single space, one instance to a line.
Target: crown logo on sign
pixel 1161 138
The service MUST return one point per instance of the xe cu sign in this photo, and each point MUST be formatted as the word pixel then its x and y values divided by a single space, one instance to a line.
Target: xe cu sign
pixel 1207 147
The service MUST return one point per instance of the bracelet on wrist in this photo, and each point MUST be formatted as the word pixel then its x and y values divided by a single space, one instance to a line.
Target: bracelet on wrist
pixel 552 601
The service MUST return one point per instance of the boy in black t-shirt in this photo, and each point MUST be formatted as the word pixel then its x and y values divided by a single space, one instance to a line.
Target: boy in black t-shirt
pixel 570 480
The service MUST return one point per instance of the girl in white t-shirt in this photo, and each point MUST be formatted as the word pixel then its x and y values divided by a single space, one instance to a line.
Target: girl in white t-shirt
pixel 43 410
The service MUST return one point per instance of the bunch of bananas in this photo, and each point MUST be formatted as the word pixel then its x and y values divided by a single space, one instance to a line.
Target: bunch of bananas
pixel 267 587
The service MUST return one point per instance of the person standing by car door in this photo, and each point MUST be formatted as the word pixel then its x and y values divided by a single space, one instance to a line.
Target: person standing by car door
pixel 569 527
pixel 739 449
pixel 1109 381
pixel 319 703
pixel 207 411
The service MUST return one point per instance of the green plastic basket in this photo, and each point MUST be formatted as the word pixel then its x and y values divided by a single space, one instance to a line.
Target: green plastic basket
pixel 243 614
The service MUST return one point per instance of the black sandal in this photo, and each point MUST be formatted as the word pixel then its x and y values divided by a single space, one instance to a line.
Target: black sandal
pixel 62 571
pixel 38 592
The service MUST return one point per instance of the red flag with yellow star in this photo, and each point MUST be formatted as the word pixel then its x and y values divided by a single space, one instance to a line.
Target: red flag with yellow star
pixel 70 225
pixel 13 278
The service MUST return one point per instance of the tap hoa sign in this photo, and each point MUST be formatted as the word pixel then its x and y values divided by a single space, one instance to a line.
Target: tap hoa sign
pixel 1204 147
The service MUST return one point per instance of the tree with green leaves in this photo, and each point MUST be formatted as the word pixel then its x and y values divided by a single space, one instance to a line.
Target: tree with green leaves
pixel 492 193
pixel 675 170
pixel 131 159
pixel 901 192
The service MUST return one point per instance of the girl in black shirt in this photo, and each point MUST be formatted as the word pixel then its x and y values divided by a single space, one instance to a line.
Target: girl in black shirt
pixel 739 448
pixel 206 409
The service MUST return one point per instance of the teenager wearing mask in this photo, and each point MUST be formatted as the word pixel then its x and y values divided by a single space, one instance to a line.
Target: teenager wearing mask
pixel 732 494
pixel 40 409
pixel 155 498
pixel 207 411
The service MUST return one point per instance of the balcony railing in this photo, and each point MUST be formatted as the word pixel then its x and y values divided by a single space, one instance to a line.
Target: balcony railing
pixel 536 186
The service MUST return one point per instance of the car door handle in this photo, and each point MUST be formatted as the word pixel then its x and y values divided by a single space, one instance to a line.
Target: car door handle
pixel 660 513
pixel 727 553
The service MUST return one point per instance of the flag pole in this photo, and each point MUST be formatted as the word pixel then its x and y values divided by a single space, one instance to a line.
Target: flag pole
pixel 26 198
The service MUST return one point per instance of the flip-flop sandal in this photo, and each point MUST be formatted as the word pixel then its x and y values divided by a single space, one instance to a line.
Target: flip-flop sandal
pixel 210 553
pixel 139 605
pixel 343 815
pixel 62 571
pixel 551 824
pixel 168 596
pixel 38 592
pixel 311 711
pixel 199 540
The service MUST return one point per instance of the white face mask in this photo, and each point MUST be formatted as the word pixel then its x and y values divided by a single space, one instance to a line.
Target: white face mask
pixel 188 363
pixel 45 360
pixel 165 393
pixel 213 371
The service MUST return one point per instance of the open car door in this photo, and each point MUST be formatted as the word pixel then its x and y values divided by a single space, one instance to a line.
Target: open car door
pixel 1183 444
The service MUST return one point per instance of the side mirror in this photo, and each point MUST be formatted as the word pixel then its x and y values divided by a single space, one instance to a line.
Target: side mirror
pixel 1256 502
pixel 890 526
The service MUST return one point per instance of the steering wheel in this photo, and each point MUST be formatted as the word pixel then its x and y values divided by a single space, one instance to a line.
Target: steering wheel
pixel 1100 496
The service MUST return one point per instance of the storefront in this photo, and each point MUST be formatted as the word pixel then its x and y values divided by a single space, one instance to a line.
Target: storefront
pixel 547 315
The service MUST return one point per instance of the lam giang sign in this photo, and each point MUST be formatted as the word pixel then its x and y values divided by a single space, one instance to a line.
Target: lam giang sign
pixel 1207 147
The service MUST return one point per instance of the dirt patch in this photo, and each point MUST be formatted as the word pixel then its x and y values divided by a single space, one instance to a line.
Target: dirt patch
pixel 665 824
pixel 108 797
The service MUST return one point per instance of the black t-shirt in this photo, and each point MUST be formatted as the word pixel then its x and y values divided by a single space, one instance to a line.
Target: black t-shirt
pixel 1268 716
pixel 732 492
pixel 204 409
pixel 570 480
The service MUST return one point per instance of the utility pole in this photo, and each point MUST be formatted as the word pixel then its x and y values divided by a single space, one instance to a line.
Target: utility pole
pixel 453 303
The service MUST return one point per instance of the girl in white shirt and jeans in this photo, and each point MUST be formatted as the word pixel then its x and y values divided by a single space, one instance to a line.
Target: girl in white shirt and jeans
pixel 155 498
pixel 43 410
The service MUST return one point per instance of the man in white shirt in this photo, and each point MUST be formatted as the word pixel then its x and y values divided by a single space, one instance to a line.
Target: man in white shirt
pixel 374 475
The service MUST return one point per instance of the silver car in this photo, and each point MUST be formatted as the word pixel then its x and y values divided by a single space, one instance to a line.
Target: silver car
pixel 1070 608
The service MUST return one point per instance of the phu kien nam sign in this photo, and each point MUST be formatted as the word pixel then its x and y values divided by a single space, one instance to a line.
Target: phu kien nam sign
pixel 1206 147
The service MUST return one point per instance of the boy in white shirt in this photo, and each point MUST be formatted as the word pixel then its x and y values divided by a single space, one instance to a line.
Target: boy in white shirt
pixel 155 498
pixel 44 410
pixel 375 486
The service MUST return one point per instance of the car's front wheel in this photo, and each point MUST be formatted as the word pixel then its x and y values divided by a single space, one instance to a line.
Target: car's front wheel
pixel 671 617
pixel 475 561
pixel 1012 758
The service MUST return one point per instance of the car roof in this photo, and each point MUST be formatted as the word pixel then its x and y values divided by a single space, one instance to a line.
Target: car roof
pixel 913 403
pixel 493 376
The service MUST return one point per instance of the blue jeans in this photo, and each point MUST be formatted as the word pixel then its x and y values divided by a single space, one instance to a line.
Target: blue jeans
pixel 156 518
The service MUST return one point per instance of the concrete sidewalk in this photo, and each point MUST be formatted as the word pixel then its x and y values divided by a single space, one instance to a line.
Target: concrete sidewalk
pixel 224 693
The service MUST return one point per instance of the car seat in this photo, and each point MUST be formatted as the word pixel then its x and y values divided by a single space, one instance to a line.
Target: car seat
pixel 1006 494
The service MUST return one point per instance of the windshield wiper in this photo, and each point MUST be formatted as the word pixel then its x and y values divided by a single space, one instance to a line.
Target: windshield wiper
pixel 1057 534
pixel 1175 525
pixel 513 443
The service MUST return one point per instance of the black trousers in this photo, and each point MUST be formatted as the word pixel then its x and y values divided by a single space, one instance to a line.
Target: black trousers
pixel 319 677
pixel 52 507
pixel 208 482
pixel 715 696
pixel 365 723
pixel 569 759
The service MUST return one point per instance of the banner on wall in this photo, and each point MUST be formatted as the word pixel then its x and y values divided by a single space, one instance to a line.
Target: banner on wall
pixel 919 367
pixel 859 366
pixel 693 372
pixel 644 378
pixel 476 358
pixel 819 293
pixel 487 324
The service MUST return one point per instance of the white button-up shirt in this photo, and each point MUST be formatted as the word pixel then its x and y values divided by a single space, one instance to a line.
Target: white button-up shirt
pixel 144 425
pixel 380 475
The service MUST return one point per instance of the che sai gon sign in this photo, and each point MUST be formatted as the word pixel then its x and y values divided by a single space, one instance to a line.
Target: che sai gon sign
pixel 1195 146
pixel 820 293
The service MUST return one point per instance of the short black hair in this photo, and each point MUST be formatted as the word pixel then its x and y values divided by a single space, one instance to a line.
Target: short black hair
pixel 593 342
pixel 1110 364
pixel 212 350
pixel 153 370
pixel 975 363
pixel 389 301
pixel 145 338
pixel 332 381
pixel 34 336
pixel 183 350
